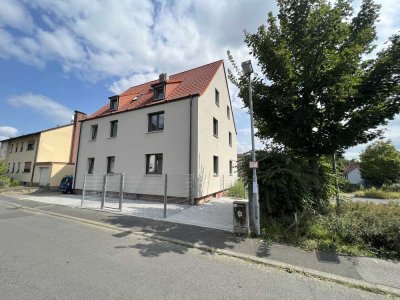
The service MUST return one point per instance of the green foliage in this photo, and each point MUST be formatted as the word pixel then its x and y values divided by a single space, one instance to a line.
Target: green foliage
pixel 238 190
pixel 286 182
pixel 361 229
pixel 379 194
pixel 14 182
pixel 4 180
pixel 3 168
pixel 315 94
pixel 391 188
pixel 380 163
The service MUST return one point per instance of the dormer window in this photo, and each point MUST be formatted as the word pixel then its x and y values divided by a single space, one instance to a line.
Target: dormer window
pixel 159 92
pixel 114 102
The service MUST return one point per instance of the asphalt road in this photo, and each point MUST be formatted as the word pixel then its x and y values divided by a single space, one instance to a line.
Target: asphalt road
pixel 44 257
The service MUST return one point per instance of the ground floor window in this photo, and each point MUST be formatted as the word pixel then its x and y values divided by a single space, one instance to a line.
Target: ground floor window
pixel 110 164
pixel 90 165
pixel 215 165
pixel 230 167
pixel 154 163
pixel 27 167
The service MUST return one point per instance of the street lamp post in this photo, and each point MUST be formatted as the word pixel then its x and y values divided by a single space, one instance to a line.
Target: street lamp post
pixel 247 70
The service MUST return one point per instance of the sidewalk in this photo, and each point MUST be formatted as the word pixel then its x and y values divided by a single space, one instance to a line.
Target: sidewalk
pixel 371 270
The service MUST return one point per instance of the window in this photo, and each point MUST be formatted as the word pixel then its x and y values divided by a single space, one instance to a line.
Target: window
pixel 91 165
pixel 215 127
pixel 230 167
pixel 228 112
pixel 113 128
pixel 159 92
pixel 16 147
pixel 11 149
pixel 215 165
pixel 19 164
pixel 22 147
pixel 13 169
pixel 94 132
pixel 8 168
pixel 31 145
pixel 216 97
pixel 154 163
pixel 156 121
pixel 110 164
pixel 230 139
pixel 27 167
pixel 114 103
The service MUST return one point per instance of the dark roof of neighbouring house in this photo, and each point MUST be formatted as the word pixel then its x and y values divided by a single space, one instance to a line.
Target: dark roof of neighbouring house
pixel 350 168
pixel 193 82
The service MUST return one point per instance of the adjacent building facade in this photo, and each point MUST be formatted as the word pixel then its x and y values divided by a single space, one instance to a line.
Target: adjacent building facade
pixel 352 174
pixel 43 158
pixel 179 124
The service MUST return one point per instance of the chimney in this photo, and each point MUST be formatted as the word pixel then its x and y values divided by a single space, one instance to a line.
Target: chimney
pixel 163 77
pixel 78 116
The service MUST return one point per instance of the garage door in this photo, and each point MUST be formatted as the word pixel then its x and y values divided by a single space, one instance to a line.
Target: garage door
pixel 44 176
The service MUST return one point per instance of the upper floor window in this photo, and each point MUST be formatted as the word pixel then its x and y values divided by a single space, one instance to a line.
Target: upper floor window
pixel 156 121
pixel 154 163
pixel 114 102
pixel 216 97
pixel 94 132
pixel 215 127
pixel 110 164
pixel 228 112
pixel 215 165
pixel 22 147
pixel 230 139
pixel 19 164
pixel 11 149
pixel 159 92
pixel 113 128
pixel 90 165
pixel 31 145
pixel 230 167
pixel 16 147
pixel 27 167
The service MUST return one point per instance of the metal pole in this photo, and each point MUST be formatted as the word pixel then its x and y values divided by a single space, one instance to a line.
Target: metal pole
pixel 121 191
pixel 103 199
pixel 223 185
pixel 338 204
pixel 165 195
pixel 83 191
pixel 191 188
pixel 256 207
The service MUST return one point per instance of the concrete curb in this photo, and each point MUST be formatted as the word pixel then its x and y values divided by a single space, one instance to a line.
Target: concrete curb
pixel 354 283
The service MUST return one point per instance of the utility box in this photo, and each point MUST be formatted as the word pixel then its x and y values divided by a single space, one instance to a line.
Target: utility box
pixel 241 216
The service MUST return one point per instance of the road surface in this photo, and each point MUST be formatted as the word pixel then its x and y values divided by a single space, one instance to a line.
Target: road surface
pixel 45 257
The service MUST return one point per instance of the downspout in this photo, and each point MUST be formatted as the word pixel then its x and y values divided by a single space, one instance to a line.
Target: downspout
pixel 77 154
pixel 190 151
pixel 34 161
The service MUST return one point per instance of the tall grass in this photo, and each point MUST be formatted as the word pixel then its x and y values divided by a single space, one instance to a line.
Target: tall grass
pixel 238 190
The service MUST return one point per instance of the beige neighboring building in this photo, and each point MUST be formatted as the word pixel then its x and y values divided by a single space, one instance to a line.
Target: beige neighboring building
pixel 43 158
pixel 178 124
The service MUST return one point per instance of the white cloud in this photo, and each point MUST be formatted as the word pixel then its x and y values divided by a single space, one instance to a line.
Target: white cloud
pixel 7 132
pixel 44 105
pixel 15 15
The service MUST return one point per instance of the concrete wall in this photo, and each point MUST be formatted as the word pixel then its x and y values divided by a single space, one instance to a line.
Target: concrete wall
pixel 3 150
pixel 134 141
pixel 209 145
pixel 13 157
pixel 55 145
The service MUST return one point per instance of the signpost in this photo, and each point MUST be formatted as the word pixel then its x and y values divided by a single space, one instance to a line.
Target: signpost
pixel 253 164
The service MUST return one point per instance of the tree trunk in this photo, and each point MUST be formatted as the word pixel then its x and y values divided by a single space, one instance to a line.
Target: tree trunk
pixel 317 189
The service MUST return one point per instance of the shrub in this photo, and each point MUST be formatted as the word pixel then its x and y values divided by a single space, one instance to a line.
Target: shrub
pixel 14 182
pixel 379 194
pixel 4 182
pixel 395 187
pixel 238 190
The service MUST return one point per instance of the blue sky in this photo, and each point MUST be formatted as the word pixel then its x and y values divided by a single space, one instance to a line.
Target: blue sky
pixel 57 56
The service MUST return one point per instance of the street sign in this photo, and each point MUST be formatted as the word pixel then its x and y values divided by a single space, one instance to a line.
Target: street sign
pixel 253 164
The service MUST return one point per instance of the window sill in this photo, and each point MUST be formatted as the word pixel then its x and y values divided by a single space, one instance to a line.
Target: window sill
pixel 216 175
pixel 111 137
pixel 216 136
pixel 153 175
pixel 154 131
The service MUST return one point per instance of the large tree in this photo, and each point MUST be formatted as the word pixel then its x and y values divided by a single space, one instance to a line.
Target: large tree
pixel 319 91
pixel 380 163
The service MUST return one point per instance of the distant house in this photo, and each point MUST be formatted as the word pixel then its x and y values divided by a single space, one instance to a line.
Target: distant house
pixel 352 174
pixel 43 158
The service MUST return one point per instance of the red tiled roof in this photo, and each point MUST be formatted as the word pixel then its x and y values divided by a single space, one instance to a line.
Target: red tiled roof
pixel 179 86
pixel 350 168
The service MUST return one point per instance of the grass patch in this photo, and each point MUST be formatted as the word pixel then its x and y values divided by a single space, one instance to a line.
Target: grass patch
pixel 238 190
pixel 360 229
pixel 379 194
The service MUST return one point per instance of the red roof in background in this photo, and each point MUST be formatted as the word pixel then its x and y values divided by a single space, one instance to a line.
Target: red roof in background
pixel 350 168
pixel 179 86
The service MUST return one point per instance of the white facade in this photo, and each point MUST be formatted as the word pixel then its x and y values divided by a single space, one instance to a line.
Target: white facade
pixel 354 176
pixel 134 142
pixel 3 150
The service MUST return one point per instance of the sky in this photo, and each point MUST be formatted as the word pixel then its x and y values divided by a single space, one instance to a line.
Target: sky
pixel 58 56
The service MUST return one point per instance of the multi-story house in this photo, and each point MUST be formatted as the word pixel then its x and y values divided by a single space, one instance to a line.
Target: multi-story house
pixel 45 157
pixel 178 124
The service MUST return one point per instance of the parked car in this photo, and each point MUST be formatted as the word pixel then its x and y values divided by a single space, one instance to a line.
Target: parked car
pixel 66 184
